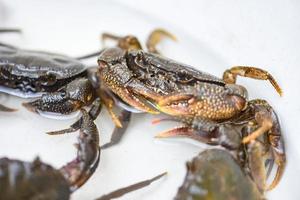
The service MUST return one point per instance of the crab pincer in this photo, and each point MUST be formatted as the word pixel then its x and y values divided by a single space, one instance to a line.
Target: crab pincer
pixel 66 100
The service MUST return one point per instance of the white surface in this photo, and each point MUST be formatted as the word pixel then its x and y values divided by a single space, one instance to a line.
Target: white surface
pixel 213 35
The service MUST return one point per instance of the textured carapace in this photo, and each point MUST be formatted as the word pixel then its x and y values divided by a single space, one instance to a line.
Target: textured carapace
pixel 215 175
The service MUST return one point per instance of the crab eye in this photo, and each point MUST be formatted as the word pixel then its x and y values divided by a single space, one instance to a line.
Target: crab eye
pixel 49 79
pixel 184 76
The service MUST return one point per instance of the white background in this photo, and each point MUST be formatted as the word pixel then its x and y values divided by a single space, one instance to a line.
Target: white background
pixel 213 36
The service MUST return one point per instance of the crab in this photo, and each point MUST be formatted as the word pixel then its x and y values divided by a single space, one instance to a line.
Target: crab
pixel 215 174
pixel 61 85
pixel 151 83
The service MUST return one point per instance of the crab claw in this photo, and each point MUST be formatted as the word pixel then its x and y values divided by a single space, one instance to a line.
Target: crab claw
pixel 172 106
pixel 66 100
pixel 199 135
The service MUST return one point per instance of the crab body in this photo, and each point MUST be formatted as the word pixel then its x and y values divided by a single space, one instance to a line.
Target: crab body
pixel 31 73
pixel 31 180
pixel 172 87
pixel 215 174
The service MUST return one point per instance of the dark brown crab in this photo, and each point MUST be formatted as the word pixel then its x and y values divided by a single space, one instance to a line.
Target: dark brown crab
pixel 61 84
pixel 203 102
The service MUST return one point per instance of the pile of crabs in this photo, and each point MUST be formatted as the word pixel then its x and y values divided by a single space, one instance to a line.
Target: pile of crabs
pixel 246 133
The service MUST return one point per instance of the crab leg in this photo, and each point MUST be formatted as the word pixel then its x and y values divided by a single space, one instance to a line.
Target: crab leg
pixel 119 131
pixel 266 125
pixel 256 163
pixel 6 109
pixel 110 104
pixel 91 55
pixel 230 75
pixel 10 30
pixel 120 192
pixel 278 153
pixel 155 37
pixel 78 171
pixel 128 42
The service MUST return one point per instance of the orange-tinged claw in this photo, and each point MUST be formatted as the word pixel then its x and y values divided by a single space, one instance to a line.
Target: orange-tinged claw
pixel 188 132
pixel 174 110
pixel 176 104
pixel 174 98
pixel 179 131
pixel 158 120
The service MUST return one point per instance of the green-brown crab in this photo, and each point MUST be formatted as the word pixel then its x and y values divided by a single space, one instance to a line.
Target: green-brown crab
pixel 202 102
pixel 215 175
